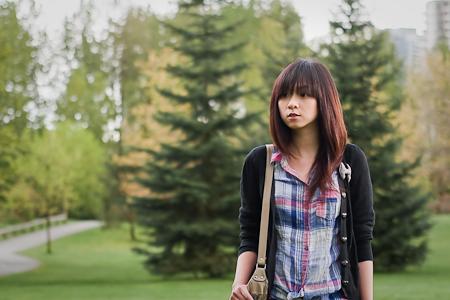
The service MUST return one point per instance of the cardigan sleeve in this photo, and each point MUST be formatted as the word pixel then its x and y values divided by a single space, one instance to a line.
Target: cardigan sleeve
pixel 251 201
pixel 362 205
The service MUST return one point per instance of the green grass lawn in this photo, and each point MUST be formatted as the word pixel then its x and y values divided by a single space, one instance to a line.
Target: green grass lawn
pixel 98 264
pixel 429 281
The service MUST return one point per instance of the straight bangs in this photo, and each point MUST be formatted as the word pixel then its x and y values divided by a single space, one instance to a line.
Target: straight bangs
pixel 313 78
pixel 299 79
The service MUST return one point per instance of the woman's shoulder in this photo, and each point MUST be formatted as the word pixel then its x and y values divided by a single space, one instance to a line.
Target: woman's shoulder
pixel 352 148
pixel 355 157
pixel 353 152
pixel 257 153
pixel 257 156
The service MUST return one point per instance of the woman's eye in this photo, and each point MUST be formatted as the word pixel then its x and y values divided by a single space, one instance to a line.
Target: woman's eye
pixel 304 95
pixel 285 95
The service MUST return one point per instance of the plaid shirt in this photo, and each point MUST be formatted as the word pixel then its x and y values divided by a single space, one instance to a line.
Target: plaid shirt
pixel 308 237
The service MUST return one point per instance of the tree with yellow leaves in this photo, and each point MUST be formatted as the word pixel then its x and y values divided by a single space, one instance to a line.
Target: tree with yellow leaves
pixel 429 94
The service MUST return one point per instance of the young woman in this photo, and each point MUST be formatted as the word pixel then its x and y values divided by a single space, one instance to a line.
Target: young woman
pixel 314 250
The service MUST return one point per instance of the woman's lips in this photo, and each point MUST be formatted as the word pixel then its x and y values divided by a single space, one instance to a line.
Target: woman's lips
pixel 293 116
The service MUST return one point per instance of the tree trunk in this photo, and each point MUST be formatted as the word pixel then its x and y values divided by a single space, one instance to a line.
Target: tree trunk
pixel 131 220
pixel 49 240
pixel 66 206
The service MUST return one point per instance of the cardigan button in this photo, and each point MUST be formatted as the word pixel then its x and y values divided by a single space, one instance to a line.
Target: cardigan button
pixel 344 194
pixel 344 262
pixel 344 239
pixel 345 282
pixel 344 215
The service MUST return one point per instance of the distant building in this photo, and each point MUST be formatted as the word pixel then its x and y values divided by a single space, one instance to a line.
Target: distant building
pixel 412 48
pixel 438 23
pixel 408 45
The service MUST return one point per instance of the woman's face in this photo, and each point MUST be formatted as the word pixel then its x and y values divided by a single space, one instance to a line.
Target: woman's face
pixel 298 111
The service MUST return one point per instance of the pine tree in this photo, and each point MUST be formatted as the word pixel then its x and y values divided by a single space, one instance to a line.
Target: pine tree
pixel 194 183
pixel 286 45
pixel 367 75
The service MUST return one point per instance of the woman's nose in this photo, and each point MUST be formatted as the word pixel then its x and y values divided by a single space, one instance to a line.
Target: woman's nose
pixel 292 104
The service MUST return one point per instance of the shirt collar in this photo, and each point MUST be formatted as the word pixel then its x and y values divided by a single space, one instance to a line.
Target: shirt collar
pixel 276 155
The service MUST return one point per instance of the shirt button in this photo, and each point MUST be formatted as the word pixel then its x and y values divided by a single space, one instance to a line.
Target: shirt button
pixel 304 268
pixel 307 227
pixel 306 248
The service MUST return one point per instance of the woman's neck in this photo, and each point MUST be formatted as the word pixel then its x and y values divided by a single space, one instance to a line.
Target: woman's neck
pixel 305 141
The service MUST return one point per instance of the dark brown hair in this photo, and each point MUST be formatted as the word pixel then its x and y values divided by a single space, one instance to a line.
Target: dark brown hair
pixel 312 77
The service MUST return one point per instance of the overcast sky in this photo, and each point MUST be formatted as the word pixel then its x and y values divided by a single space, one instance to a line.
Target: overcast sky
pixel 315 14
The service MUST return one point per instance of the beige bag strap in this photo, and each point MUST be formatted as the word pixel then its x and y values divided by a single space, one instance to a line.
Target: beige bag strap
pixel 265 209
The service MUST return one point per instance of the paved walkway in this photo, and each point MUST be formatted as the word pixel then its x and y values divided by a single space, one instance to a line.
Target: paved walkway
pixel 10 262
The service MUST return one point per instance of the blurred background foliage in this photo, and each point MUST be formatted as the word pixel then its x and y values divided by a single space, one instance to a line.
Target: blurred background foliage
pixel 134 133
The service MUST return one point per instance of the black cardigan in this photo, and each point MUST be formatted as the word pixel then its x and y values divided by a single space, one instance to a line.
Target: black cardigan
pixel 356 223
